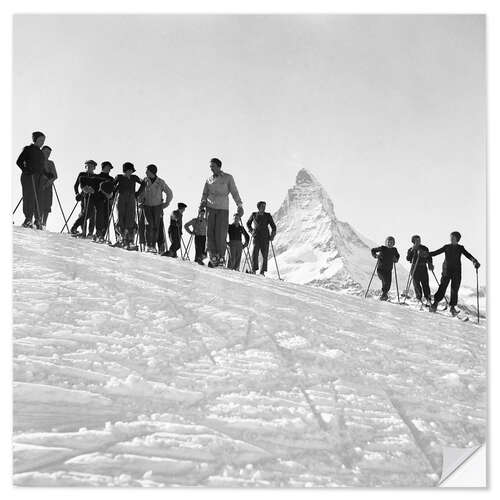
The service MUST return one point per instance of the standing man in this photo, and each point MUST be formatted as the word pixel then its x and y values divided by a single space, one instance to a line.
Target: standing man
pixel 198 228
pixel 85 187
pixel 419 264
pixel 103 200
pixel 235 231
pixel 387 255
pixel 150 196
pixel 48 177
pixel 215 199
pixel 452 270
pixel 31 162
pixel 175 230
pixel 258 224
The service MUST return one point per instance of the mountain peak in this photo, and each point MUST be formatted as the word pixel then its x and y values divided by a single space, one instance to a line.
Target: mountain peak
pixel 305 177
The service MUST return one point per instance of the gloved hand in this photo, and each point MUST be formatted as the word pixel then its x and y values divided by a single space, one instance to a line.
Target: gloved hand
pixel 395 259
pixel 271 238
pixel 423 254
pixel 164 204
pixel 78 197
pixel 476 264
pixel 431 267
pixel 245 245
pixel 374 255
pixel 240 211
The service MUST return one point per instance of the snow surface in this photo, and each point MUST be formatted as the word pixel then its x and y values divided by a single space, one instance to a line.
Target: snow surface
pixel 136 370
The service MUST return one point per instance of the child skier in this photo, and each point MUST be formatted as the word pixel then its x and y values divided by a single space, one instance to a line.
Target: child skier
pixel 387 255
pixel 49 175
pixel 125 187
pixel 452 270
pixel 198 228
pixel 235 232
pixel 85 188
pixel 103 200
pixel 419 265
pixel 175 230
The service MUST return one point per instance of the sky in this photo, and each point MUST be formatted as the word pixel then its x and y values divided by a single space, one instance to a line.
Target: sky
pixel 387 111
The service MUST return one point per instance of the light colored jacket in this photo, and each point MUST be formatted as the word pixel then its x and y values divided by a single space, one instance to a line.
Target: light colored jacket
pixel 199 226
pixel 216 192
pixel 152 195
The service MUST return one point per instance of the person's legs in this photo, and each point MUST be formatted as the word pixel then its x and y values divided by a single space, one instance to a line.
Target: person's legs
pixel 37 183
pixel 173 234
pixel 236 254
pixel 221 224
pixel 147 213
pixel 445 281
pixel 156 219
pixel 385 277
pixel 100 216
pixel 456 279
pixel 28 197
pixel 417 277
pixel 255 254
pixel 264 248
pixel 424 280
pixel 211 235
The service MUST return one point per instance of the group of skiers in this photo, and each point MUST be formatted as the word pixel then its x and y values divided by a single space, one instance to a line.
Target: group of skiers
pixel 420 258
pixel 140 204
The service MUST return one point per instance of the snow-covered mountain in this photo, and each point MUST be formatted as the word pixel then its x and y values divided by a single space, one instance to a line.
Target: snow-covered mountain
pixel 314 247
pixel 132 369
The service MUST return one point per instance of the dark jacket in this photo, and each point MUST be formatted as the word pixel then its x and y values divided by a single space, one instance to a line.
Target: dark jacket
pixel 236 231
pixel 126 185
pixel 452 257
pixel 258 224
pixel 176 220
pixel 86 179
pixel 412 256
pixel 386 257
pixel 31 160
pixel 106 184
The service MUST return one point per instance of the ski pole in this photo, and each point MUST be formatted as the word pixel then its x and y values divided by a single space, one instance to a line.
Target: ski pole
pixel 60 206
pixel 17 206
pixel 396 280
pixel 186 253
pixel 74 208
pixel 85 212
pixel 106 236
pixel 410 277
pixel 371 279
pixel 477 293
pixel 437 281
pixel 275 261
pixel 39 218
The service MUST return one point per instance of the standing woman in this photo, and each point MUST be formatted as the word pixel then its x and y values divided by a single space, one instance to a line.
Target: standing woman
pixel 49 175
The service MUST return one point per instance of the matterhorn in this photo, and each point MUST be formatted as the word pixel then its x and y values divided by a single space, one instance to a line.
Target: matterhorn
pixel 313 247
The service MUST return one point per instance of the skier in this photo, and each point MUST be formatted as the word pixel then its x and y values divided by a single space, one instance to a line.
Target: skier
pixel 258 224
pixel 198 228
pixel 175 230
pixel 103 200
pixel 126 204
pixel 150 197
pixel 215 199
pixel 235 231
pixel 415 255
pixel 31 162
pixel 452 270
pixel 85 187
pixel 49 175
pixel 387 255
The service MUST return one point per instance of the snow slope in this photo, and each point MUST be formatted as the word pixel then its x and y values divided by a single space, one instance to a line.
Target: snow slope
pixel 136 370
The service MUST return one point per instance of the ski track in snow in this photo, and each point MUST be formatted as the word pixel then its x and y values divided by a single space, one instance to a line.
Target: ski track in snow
pixel 136 370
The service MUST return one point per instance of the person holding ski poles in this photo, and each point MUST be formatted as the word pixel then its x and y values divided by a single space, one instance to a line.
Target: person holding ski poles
pixel 85 188
pixel 150 198
pixel 419 265
pixel 49 175
pixel 452 271
pixel 31 161
pixel 175 230
pixel 258 225
pixel 103 200
pixel 197 227
pixel 235 231
pixel 215 199
pixel 387 255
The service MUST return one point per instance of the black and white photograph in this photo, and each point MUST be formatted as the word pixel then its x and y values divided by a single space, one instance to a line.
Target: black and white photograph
pixel 248 250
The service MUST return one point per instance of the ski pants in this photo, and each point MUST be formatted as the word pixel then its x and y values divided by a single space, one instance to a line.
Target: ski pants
pixel 175 239
pixel 102 211
pixel 87 208
pixel 455 277
pixel 126 216
pixel 200 243
pixel 217 224
pixel 260 244
pixel 46 200
pixel 32 195
pixel 421 283
pixel 235 251
pixel 385 276
pixel 153 217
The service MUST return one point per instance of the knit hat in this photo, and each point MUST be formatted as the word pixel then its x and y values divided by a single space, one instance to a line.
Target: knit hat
pixel 152 168
pixel 181 205
pixel 217 162
pixel 106 164
pixel 91 163
pixel 128 166
pixel 36 135
pixel 414 237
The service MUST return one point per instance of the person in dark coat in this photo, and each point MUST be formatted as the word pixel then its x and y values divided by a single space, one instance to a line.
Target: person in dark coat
pixel 47 180
pixel 419 265
pixel 31 161
pixel 386 255
pixel 235 231
pixel 126 204
pixel 175 230
pixel 197 227
pixel 452 270
pixel 103 200
pixel 258 225
pixel 86 187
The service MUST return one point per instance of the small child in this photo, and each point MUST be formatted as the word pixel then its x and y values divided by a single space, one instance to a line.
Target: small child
pixel 452 270
pixel 235 231
pixel 387 255
pixel 175 230
pixel 197 227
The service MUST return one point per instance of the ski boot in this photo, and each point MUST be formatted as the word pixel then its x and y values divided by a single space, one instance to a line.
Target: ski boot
pixel 151 250
pixel 27 223
pixel 433 307
pixel 117 244
pixel 384 297
pixel 214 261
pixel 453 311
